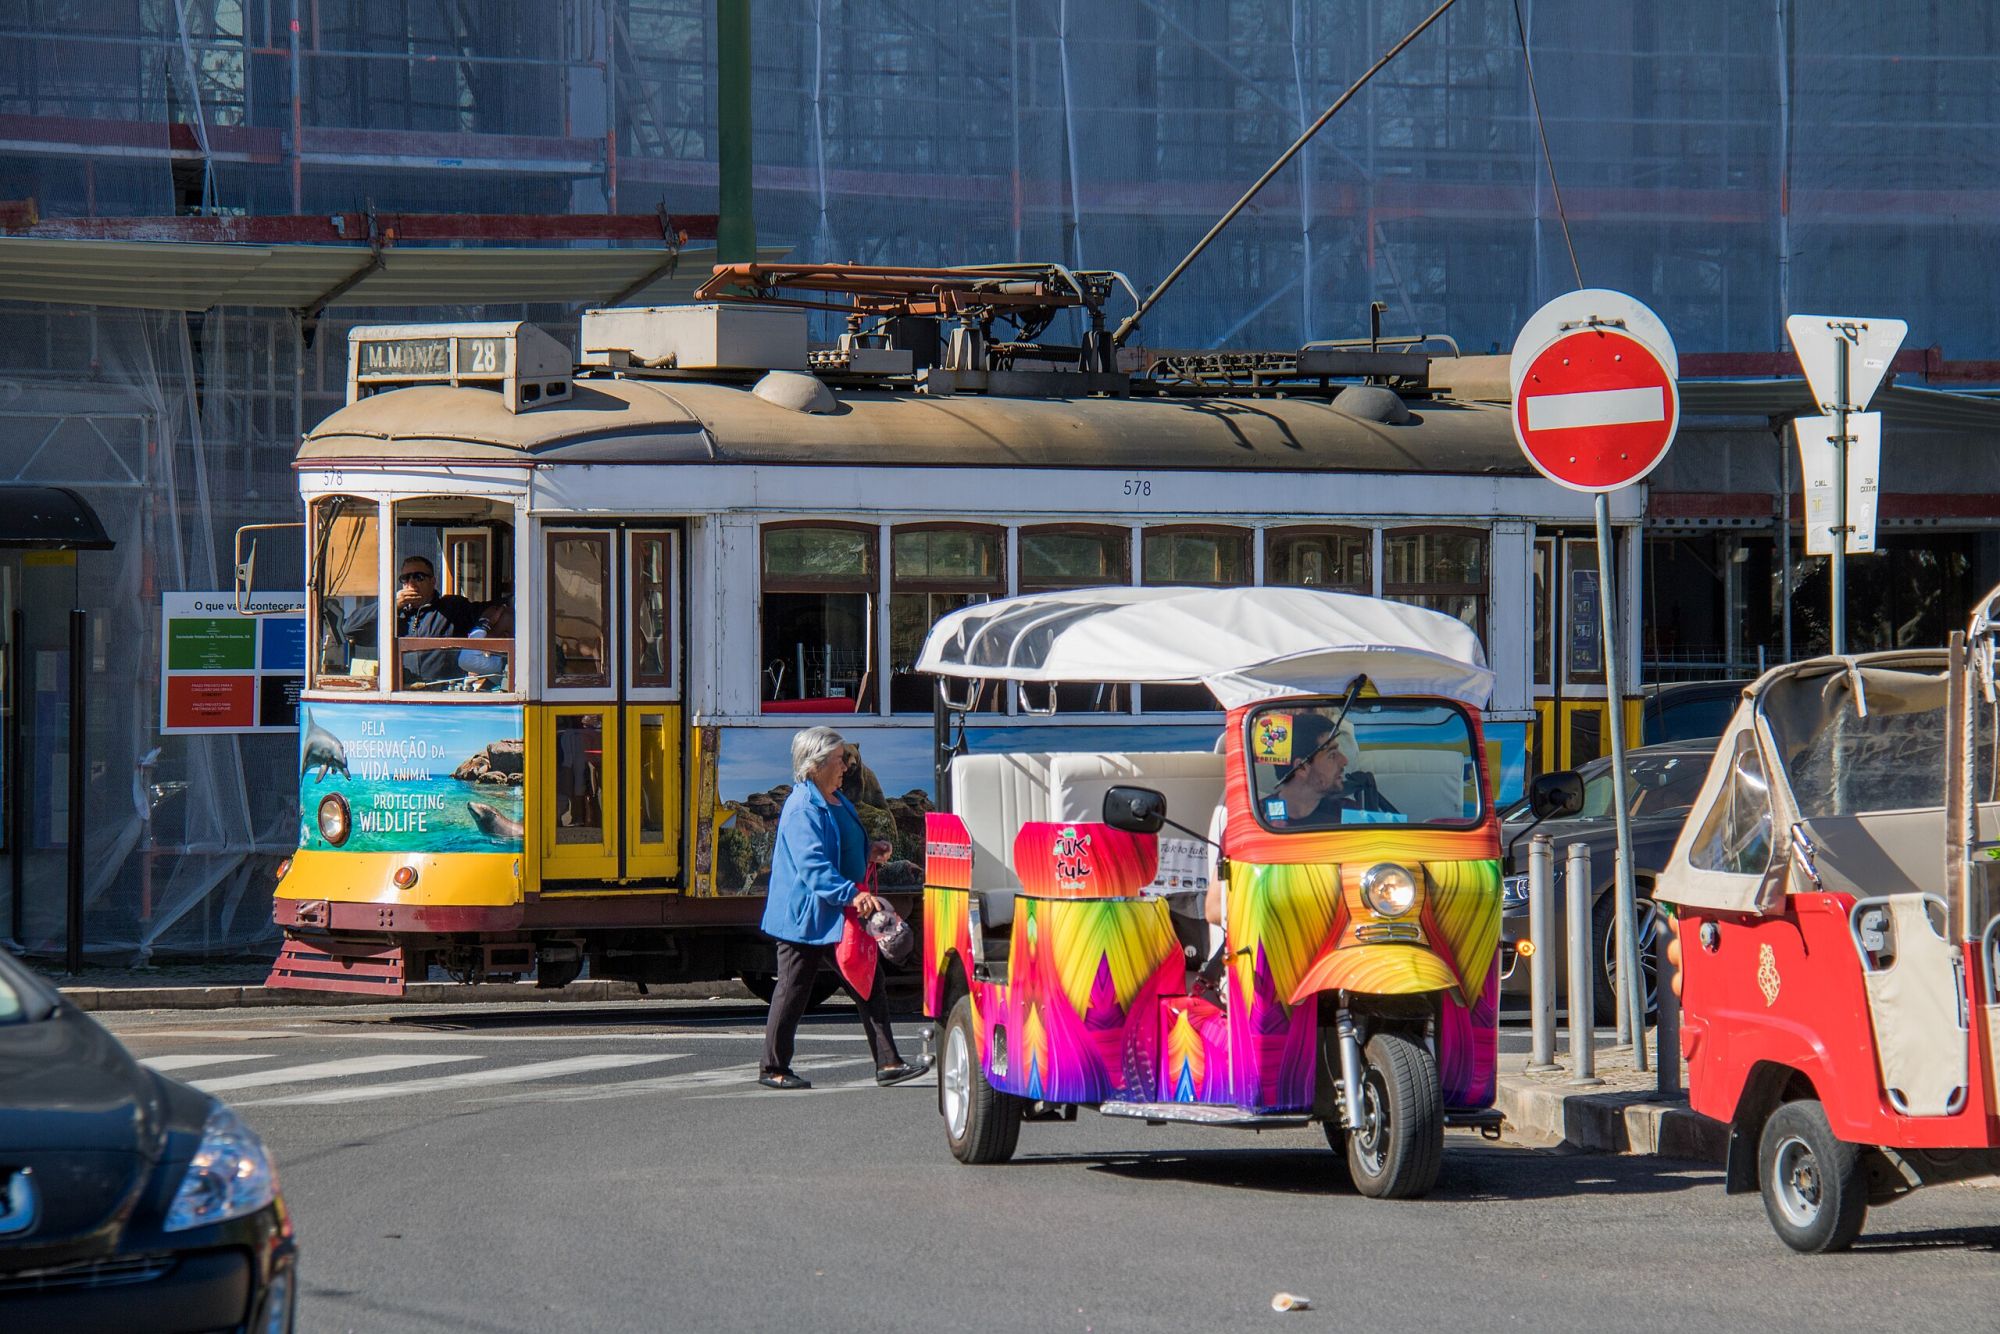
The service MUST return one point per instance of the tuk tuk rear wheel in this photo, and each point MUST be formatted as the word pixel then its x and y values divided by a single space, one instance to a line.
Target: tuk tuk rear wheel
pixel 981 1124
pixel 1814 1184
pixel 1397 1144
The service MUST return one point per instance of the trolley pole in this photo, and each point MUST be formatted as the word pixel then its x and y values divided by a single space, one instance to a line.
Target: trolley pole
pixel 1630 982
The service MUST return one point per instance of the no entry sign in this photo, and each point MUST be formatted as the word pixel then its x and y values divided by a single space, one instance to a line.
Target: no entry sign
pixel 1596 406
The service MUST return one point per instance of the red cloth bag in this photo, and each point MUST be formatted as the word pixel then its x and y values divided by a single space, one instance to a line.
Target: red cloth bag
pixel 856 954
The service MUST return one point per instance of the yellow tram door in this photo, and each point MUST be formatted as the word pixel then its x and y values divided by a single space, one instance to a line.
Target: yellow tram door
pixel 609 734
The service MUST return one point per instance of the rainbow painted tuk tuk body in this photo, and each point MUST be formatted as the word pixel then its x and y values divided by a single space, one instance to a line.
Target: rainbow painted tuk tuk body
pixel 1065 978
pixel 1097 1008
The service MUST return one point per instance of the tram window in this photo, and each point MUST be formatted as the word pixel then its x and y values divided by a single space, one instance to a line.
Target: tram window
pixel 1544 574
pixel 346 585
pixel 1081 556
pixel 579 572
pixel 1061 556
pixel 817 618
pixel 1316 557
pixel 652 611
pixel 453 605
pixel 1202 556
pixel 579 778
pixel 1440 568
pixel 934 569
pixel 1209 557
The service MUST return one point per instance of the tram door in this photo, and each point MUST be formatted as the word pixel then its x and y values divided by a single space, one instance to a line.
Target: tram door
pixel 609 734
pixel 1572 725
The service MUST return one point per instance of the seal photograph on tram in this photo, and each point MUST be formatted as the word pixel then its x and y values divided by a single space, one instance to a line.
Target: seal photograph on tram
pixel 495 824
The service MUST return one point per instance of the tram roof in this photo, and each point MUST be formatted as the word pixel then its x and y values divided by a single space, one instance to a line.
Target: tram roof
pixel 633 420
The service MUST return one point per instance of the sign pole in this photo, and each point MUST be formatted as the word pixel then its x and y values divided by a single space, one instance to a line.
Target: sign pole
pixel 1631 986
pixel 1837 631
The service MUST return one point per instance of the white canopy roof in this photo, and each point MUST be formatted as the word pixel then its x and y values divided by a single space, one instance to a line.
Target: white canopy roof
pixel 1244 644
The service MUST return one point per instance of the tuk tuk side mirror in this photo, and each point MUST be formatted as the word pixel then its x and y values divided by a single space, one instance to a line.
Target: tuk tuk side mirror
pixel 1556 796
pixel 1135 810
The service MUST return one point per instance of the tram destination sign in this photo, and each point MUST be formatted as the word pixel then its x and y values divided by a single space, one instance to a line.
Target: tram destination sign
pixel 1596 403
pixel 438 358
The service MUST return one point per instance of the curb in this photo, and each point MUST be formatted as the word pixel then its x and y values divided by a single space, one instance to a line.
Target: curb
pixel 103 999
pixel 1610 1120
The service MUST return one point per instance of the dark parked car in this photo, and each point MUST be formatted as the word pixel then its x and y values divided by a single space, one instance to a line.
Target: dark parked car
pixel 128 1201
pixel 1662 783
pixel 1688 711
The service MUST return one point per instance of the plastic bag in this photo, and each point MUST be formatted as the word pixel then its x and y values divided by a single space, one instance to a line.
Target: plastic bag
pixel 892 935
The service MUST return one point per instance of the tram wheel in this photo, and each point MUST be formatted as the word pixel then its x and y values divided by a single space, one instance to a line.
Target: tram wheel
pixel 981 1124
pixel 1814 1183
pixel 1394 1151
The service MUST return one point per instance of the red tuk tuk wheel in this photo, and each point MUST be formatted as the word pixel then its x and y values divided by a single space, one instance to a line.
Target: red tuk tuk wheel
pixel 1814 1184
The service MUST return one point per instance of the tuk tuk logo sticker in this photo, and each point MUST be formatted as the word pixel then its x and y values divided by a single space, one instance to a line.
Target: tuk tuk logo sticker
pixel 1272 740
pixel 1073 861
pixel 1768 980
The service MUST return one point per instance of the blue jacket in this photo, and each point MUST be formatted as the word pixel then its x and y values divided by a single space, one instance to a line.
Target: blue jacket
pixel 820 854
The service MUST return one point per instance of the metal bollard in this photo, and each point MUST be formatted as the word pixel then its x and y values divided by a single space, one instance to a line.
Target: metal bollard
pixel 1582 1001
pixel 1542 963
pixel 1668 1025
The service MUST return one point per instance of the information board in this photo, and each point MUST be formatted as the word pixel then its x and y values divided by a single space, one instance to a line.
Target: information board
pixel 223 671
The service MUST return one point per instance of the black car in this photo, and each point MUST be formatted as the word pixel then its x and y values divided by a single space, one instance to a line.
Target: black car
pixel 1661 785
pixel 128 1201
pixel 1688 710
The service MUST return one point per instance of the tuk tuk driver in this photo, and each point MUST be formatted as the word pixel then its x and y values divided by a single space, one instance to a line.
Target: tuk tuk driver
pixel 1321 787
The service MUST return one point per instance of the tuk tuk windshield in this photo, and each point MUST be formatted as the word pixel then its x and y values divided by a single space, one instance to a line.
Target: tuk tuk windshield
pixel 1839 760
pixel 1387 761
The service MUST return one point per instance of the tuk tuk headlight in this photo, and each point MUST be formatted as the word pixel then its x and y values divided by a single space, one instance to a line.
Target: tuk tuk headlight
pixel 1389 890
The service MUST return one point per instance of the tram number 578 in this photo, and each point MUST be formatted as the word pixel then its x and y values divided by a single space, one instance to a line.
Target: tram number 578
pixel 1138 487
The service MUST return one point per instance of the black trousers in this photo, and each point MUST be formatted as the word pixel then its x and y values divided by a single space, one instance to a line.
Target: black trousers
pixel 797 966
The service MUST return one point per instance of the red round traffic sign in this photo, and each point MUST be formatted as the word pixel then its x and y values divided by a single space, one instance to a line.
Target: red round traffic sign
pixel 1596 409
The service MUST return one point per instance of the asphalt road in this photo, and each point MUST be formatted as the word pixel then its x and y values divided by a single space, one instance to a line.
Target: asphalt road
pixel 536 1168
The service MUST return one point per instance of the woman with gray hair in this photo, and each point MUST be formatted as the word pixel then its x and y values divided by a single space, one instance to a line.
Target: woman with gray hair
pixel 817 863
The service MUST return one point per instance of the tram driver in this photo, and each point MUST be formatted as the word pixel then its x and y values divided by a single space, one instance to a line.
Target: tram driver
pixel 423 613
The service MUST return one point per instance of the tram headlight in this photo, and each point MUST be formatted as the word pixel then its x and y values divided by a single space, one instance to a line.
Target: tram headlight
pixel 333 821
pixel 1389 890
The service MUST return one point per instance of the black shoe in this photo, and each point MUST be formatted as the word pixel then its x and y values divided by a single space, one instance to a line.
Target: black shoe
pixel 784 1079
pixel 900 1072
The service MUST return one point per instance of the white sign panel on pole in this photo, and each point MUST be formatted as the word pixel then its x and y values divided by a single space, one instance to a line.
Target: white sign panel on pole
pixel 1818 462
pixel 1821 339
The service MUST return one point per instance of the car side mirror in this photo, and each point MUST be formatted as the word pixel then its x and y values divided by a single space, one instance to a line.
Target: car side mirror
pixel 1554 796
pixel 1135 810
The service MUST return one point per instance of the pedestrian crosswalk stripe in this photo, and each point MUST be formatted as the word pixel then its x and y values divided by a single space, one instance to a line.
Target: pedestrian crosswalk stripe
pixel 341 1069
pixel 169 1064
pixel 726 1076
pixel 506 1074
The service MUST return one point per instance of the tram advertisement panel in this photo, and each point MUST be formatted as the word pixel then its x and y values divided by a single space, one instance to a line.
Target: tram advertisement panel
pixel 410 778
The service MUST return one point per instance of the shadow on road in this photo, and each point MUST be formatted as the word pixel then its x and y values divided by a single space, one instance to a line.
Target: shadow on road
pixel 1472 1172
pixel 565 1015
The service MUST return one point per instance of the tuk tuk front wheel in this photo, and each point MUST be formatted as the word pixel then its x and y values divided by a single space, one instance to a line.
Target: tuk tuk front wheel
pixel 1397 1144
pixel 981 1124
pixel 1814 1184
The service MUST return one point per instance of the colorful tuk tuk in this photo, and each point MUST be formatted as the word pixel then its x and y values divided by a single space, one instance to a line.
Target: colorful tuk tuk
pixel 1341 829
pixel 1839 932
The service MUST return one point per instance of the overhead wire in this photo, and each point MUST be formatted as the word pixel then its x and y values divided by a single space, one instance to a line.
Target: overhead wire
pixel 1542 129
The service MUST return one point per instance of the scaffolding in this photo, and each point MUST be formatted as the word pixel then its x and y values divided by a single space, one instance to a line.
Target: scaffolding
pixel 1730 163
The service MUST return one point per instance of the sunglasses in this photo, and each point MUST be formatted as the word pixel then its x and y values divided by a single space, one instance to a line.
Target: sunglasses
pixel 413 577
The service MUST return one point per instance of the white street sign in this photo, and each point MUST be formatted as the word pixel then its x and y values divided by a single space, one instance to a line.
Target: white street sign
pixel 1818 459
pixel 1869 343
